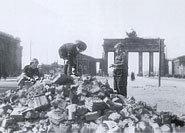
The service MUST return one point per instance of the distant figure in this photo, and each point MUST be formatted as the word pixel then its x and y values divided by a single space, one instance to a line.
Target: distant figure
pixel 5 75
pixel 30 73
pixel 132 76
pixel 100 72
pixel 120 69
pixel 69 52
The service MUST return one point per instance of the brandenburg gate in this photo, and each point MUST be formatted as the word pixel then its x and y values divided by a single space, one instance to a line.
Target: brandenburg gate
pixel 136 44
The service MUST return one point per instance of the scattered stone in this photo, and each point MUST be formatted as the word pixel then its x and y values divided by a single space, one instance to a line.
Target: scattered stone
pixel 31 114
pixel 91 116
pixel 7 109
pixel 62 79
pixel 88 106
pixel 39 103
pixel 17 114
pixel 71 111
pixel 165 128
pixel 115 117
pixel 8 122
pixel 113 105
pixel 94 104
pixel 56 116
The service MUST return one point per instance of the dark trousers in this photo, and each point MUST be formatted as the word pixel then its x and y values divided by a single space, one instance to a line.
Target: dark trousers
pixel 68 68
pixel 120 82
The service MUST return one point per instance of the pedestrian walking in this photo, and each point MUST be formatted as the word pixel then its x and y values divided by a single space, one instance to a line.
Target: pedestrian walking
pixel 132 76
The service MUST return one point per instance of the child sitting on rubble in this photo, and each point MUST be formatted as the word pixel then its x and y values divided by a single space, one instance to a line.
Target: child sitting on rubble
pixel 30 73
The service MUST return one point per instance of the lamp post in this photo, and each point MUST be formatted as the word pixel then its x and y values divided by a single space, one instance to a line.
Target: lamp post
pixel 159 63
pixel 30 50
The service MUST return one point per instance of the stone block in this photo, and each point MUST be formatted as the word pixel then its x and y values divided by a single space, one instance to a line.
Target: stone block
pixel 115 117
pixel 71 111
pixel 166 117
pixel 95 104
pixel 7 109
pixel 63 79
pixel 31 114
pixel 17 114
pixel 91 116
pixel 101 119
pixel 7 122
pixel 39 103
pixel 56 116
pixel 81 110
pixel 118 100
pixel 113 105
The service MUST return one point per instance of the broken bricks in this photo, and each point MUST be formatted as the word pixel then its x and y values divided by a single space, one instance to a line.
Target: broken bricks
pixel 7 109
pixel 114 117
pixel 71 111
pixel 98 111
pixel 8 122
pixel 91 116
pixel 56 116
pixel 113 105
pixel 39 103
pixel 62 79
pixel 94 104
pixel 31 114
pixel 17 114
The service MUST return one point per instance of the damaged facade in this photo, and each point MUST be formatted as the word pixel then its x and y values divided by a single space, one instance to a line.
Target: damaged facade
pixel 87 64
pixel 10 55
pixel 178 66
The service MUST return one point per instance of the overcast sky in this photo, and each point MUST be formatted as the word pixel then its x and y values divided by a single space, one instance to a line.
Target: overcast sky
pixel 47 24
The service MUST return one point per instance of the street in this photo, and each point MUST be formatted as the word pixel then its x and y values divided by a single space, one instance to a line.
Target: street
pixel 168 97
pixel 9 83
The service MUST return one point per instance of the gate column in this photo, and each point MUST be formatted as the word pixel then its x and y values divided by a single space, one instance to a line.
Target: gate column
pixel 105 61
pixel 151 63
pixel 140 73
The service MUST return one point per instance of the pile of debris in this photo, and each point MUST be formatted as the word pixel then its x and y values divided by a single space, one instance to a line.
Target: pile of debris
pixel 80 105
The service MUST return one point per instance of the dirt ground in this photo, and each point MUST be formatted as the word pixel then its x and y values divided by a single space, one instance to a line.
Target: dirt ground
pixel 168 97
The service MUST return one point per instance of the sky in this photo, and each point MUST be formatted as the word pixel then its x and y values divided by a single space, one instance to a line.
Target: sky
pixel 47 24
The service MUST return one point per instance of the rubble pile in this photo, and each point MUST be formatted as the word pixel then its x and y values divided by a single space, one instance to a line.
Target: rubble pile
pixel 82 106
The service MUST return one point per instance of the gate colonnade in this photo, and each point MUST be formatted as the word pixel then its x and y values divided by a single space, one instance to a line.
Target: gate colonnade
pixel 139 45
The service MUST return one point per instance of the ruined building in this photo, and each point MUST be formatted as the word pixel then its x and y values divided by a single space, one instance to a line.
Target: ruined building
pixel 10 55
